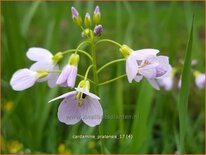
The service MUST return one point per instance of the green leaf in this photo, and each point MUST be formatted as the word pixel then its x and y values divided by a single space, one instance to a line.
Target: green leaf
pixel 184 92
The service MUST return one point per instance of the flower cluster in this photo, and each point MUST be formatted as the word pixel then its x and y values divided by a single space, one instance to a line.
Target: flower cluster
pixel 81 104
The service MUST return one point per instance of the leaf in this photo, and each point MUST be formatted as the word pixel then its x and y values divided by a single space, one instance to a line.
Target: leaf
pixel 184 92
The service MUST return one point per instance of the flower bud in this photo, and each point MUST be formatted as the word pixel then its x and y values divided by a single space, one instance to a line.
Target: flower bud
pixel 97 15
pixel 74 60
pixel 98 30
pixel 87 20
pixel 84 84
pixel 76 17
pixel 86 33
pixel 125 50
pixel 42 73
pixel 57 57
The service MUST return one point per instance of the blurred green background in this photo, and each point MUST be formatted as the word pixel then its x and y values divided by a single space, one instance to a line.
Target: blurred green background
pixel 30 125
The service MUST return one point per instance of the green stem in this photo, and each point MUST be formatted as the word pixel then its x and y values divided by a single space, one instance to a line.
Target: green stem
pixel 112 80
pixel 96 91
pixel 81 51
pixel 88 69
pixel 81 44
pixel 81 76
pixel 110 63
pixel 110 41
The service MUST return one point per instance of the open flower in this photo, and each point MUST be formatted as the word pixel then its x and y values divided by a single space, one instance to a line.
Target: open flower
pixel 25 78
pixel 166 82
pixel 145 63
pixel 69 72
pixel 200 80
pixel 45 61
pixel 80 105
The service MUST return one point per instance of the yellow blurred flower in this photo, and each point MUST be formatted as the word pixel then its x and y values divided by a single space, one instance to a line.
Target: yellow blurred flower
pixel 62 149
pixel 91 144
pixel 2 144
pixel 14 146
pixel 8 106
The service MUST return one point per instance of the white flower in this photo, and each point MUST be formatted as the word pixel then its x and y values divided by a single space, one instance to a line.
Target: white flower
pixel 145 63
pixel 166 82
pixel 44 61
pixel 200 80
pixel 80 105
pixel 69 72
pixel 68 76
pixel 25 78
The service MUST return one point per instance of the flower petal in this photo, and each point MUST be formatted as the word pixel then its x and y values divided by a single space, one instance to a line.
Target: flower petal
pixel 64 75
pixel 71 79
pixel 68 111
pixel 42 65
pixel 200 81
pixel 52 77
pixel 131 68
pixel 154 84
pixel 148 71
pixel 87 93
pixel 66 95
pixel 91 112
pixel 23 79
pixel 138 78
pixel 38 54
pixel 144 53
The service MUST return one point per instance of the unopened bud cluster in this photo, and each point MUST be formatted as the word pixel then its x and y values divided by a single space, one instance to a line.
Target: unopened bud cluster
pixel 91 25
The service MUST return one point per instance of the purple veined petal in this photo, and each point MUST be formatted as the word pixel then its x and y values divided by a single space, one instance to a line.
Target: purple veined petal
pixel 23 79
pixel 62 80
pixel 91 112
pixel 154 83
pixel 167 73
pixel 66 95
pixel 200 81
pixel 38 54
pixel 144 53
pixel 52 77
pixel 68 111
pixel 87 93
pixel 138 78
pixel 131 68
pixel 71 79
pixel 148 71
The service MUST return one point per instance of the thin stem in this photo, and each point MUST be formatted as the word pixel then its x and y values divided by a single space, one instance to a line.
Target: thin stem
pixel 82 43
pixel 81 76
pixel 110 41
pixel 88 69
pixel 96 91
pixel 110 63
pixel 112 80
pixel 81 51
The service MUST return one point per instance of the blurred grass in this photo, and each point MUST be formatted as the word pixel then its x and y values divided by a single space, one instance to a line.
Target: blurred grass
pixel 161 25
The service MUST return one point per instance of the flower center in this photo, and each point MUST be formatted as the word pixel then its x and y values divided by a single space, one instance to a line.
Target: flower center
pixel 80 97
